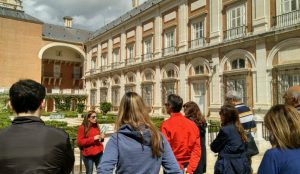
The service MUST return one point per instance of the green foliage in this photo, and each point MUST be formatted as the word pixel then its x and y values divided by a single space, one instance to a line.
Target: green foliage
pixel 80 107
pixel 44 113
pixel 107 119
pixel 157 121
pixel 4 98
pixel 57 124
pixel 105 107
pixel 70 114
pixel 214 126
pixel 4 120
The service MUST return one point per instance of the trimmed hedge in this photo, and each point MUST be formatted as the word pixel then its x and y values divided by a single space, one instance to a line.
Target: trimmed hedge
pixel 214 126
pixel 5 120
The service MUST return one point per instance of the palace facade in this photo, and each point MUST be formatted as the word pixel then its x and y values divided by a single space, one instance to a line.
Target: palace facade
pixel 198 49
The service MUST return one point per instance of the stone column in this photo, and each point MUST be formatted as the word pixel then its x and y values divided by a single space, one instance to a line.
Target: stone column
pixel 123 81
pixel 123 50
pixel 138 41
pixel 109 51
pixel 157 90
pixel 183 23
pixel 138 82
pixel 182 81
pixel 157 35
pixel 215 21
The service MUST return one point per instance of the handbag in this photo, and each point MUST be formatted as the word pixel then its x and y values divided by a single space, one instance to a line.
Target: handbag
pixel 251 146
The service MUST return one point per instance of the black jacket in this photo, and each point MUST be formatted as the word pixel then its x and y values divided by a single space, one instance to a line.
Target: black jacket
pixel 28 146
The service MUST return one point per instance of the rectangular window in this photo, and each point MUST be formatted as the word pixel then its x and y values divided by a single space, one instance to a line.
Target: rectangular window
pixel 130 52
pixel 104 60
pixel 197 34
pixel 147 46
pixel 289 6
pixel 103 95
pixel 56 71
pixel 93 63
pixel 170 40
pixel 76 72
pixel 236 17
pixel 147 94
pixel 93 97
pixel 116 55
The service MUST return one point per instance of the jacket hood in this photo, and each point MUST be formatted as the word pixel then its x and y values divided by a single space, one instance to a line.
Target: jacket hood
pixel 143 135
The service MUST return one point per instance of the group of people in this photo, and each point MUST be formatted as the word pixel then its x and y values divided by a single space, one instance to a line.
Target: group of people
pixel 137 146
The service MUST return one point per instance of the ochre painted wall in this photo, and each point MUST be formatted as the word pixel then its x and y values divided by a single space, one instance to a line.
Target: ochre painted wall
pixel 20 43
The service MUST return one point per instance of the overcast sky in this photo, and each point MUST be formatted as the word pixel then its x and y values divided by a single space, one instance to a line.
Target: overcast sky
pixel 86 14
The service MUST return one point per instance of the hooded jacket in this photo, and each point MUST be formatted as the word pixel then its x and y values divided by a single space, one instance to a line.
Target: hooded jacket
pixel 130 151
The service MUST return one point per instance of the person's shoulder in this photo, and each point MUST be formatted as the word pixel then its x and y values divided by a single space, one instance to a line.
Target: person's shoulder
pixel 56 131
pixel 242 107
pixel 227 128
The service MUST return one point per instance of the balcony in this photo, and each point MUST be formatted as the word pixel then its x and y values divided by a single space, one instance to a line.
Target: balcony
pixel 287 19
pixel 116 65
pixel 168 51
pixel 66 91
pixel 130 61
pixel 234 33
pixel 197 43
pixel 52 78
pixel 147 56
pixel 76 76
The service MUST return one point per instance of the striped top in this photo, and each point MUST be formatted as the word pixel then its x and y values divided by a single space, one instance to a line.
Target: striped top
pixel 298 108
pixel 246 116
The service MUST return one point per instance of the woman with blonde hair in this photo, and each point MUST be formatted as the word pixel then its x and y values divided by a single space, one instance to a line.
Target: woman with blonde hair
pixel 283 122
pixel 230 144
pixel 192 112
pixel 137 146
pixel 89 139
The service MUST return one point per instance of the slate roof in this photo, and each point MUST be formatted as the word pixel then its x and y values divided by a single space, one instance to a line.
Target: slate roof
pixel 143 7
pixel 18 15
pixel 62 33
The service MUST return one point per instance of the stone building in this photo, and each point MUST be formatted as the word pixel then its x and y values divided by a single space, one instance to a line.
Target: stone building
pixel 198 49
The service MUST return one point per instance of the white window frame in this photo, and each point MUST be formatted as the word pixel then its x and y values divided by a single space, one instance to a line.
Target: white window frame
pixel 148 46
pixel 170 39
pixel 232 19
pixel 104 60
pixel 116 55
pixel 238 63
pixel 56 70
pixel 130 51
pixel 286 6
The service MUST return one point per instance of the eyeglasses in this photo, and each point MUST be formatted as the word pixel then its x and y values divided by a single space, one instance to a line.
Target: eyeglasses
pixel 93 117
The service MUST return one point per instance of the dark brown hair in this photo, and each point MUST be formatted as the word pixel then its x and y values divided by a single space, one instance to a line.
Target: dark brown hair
pixel 191 109
pixel 231 116
pixel 86 124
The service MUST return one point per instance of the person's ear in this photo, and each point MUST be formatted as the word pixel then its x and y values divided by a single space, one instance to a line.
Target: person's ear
pixel 43 104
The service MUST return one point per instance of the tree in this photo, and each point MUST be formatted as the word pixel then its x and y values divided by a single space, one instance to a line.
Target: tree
pixel 105 107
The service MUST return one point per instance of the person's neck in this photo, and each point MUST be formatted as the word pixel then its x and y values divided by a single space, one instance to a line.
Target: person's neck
pixel 36 113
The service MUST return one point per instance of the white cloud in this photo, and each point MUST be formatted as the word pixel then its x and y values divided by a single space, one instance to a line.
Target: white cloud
pixel 87 14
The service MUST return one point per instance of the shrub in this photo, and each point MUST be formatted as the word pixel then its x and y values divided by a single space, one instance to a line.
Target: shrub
pixel 57 124
pixel 4 120
pixel 105 107
pixel 80 107
pixel 214 126
pixel 106 119
pixel 44 113
pixel 70 114
pixel 157 121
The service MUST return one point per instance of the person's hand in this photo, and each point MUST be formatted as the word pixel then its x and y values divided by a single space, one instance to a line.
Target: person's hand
pixel 97 137
pixel 102 136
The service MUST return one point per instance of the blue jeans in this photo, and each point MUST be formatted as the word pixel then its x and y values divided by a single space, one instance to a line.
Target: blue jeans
pixel 89 162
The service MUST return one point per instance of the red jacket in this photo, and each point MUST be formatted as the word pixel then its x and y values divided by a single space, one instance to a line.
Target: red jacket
pixel 90 146
pixel 184 138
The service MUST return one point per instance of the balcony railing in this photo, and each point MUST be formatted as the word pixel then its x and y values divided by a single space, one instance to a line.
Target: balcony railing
pixel 169 51
pixel 196 43
pixel 76 76
pixel 52 74
pixel 147 56
pixel 287 19
pixel 67 91
pixel 130 61
pixel 236 32
pixel 116 65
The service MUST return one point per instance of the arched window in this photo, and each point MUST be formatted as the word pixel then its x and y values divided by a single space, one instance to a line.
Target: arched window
pixel 148 76
pixel 238 64
pixel 117 81
pixel 171 74
pixel 199 69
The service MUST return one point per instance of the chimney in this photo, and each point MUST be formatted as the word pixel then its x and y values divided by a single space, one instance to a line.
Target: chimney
pixel 135 3
pixel 68 21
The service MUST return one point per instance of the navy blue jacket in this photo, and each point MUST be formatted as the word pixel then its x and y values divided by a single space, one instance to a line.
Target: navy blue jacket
pixel 232 158
pixel 128 152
